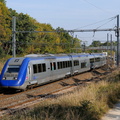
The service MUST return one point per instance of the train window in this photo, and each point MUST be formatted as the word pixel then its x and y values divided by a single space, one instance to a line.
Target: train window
pixel 43 67
pixel 64 64
pixel 53 66
pixel 61 65
pixel 69 63
pixel 83 65
pixel 58 64
pixel 92 60
pixel 39 68
pixel 76 62
pixel 97 59
pixel 35 68
pixel 13 68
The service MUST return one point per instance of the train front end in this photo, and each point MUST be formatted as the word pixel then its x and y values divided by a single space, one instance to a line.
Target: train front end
pixel 14 73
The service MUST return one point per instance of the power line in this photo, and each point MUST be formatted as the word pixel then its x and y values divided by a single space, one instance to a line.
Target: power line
pixel 110 19
pixel 106 22
pixel 96 6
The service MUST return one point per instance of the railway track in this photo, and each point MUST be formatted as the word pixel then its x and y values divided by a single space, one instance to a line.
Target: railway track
pixel 11 102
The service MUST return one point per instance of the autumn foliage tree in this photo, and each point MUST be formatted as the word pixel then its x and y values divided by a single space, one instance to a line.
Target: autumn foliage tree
pixel 5 31
pixel 3 1
pixel 27 43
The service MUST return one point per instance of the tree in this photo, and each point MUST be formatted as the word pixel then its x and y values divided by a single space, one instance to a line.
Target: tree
pixel 5 31
pixel 95 44
pixel 3 1
pixel 23 23
pixel 26 43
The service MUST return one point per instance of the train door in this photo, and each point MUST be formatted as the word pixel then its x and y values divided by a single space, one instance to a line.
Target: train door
pixel 28 76
pixel 47 74
pixel 29 73
pixel 71 64
pixel 52 70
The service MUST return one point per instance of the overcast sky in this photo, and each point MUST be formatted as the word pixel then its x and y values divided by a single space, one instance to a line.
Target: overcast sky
pixel 72 14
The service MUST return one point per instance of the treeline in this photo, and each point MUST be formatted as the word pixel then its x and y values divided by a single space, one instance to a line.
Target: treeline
pixel 99 43
pixel 27 43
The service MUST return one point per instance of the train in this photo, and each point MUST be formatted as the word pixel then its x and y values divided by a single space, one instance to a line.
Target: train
pixel 37 69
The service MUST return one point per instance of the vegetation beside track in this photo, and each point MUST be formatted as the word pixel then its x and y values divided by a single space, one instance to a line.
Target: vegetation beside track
pixel 86 103
pixel 3 59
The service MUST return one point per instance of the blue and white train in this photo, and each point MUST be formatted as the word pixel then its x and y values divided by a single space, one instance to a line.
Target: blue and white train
pixel 22 72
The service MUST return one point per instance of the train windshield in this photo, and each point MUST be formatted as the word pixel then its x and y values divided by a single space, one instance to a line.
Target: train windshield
pixel 13 69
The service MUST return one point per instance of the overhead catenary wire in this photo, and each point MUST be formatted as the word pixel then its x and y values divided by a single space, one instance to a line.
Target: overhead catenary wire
pixel 107 22
pixel 104 24
pixel 108 19
pixel 103 10
pixel 97 29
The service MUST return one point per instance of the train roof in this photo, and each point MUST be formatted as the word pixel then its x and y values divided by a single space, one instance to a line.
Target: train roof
pixel 55 56
pixel 63 55
pixel 18 61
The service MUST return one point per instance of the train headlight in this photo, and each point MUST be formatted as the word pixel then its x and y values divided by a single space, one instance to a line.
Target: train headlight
pixel 4 78
pixel 15 78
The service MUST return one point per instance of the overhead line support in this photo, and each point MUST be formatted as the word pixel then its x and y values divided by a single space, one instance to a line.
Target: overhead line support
pixel 14 36
pixel 118 42
pixel 82 30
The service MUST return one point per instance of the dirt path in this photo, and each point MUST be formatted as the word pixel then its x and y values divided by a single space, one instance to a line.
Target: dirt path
pixel 113 114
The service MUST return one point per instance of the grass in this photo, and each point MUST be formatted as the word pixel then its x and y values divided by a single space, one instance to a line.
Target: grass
pixel 86 103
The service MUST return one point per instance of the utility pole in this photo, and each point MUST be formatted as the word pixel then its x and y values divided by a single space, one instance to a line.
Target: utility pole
pixel 111 48
pixel 84 46
pixel 118 42
pixel 14 36
pixel 107 41
pixel 72 34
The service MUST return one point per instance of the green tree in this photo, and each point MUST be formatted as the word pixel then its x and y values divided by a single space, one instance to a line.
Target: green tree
pixel 95 44
pixel 23 23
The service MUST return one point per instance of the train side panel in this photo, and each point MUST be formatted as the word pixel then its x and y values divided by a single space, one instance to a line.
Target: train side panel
pixel 39 71
pixel 63 67
pixel 46 70
pixel 80 63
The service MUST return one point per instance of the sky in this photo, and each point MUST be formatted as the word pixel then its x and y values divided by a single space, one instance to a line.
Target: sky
pixel 72 15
